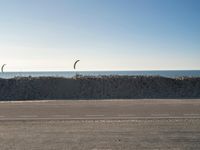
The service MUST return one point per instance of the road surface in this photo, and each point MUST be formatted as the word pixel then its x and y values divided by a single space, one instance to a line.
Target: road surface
pixel 100 125
pixel 99 109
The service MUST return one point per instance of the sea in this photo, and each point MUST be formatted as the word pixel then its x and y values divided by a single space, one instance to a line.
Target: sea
pixel 70 74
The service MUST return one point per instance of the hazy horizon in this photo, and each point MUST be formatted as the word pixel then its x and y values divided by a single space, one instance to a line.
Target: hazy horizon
pixel 79 70
pixel 49 35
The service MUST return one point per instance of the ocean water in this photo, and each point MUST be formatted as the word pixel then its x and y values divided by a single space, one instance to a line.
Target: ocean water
pixel 69 74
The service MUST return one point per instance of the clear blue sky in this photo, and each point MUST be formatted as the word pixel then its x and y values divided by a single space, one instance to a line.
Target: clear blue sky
pixel 104 34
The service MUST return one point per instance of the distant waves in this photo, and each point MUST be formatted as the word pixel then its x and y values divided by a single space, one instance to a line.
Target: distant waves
pixel 69 74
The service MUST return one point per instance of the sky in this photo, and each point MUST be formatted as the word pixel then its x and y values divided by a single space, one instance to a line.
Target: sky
pixel 50 35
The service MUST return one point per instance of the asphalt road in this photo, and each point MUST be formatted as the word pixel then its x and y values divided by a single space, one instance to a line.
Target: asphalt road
pixel 100 125
pixel 100 109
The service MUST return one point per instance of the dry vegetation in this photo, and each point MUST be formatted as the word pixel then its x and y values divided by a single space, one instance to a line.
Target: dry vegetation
pixel 103 87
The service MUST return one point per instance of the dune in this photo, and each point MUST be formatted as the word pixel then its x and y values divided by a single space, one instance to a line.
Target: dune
pixel 102 87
